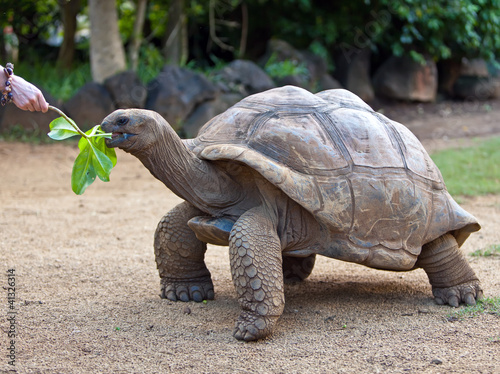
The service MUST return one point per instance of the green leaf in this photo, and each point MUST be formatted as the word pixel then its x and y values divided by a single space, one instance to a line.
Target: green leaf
pixel 60 129
pixel 101 163
pixel 83 174
pixel 101 145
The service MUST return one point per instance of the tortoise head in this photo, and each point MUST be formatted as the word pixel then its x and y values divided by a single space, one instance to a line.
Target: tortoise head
pixel 134 130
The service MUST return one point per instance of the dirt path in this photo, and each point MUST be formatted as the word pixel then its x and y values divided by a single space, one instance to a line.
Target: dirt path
pixel 87 288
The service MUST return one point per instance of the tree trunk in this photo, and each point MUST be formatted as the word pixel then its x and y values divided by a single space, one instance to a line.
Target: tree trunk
pixel 107 55
pixel 69 10
pixel 175 46
pixel 135 43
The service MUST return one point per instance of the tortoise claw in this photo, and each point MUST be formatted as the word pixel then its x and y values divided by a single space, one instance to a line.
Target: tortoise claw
pixel 195 290
pixel 466 293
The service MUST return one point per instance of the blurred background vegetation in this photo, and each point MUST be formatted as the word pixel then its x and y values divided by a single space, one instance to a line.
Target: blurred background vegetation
pixel 50 40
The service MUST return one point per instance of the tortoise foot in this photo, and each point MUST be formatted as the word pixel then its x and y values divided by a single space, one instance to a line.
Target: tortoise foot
pixel 250 326
pixel 187 290
pixel 466 293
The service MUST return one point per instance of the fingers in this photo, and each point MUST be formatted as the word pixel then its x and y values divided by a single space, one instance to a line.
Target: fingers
pixel 27 96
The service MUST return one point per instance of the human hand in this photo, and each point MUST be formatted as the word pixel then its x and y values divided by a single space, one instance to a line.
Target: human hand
pixel 26 96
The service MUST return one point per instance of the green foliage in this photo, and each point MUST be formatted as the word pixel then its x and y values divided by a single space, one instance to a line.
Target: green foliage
pixel 151 63
pixel 473 170
pixel 31 20
pixel 490 305
pixel 281 69
pixel 492 250
pixel 441 29
pixel 94 159
pixel 61 84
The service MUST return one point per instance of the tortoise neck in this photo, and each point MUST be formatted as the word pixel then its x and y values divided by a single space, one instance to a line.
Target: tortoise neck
pixel 197 181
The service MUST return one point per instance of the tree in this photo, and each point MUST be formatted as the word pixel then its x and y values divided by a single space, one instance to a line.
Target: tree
pixel 107 55
pixel 441 29
pixel 136 38
pixel 69 10
pixel 175 47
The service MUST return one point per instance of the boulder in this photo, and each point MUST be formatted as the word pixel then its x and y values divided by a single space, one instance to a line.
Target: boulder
pixel 474 68
pixel 448 72
pixel 474 88
pixel 90 105
pixel 294 80
pixel 403 78
pixel 474 82
pixel 353 73
pixel 316 67
pixel 244 77
pixel 32 122
pixel 206 111
pixel 327 82
pixel 126 90
pixel 176 91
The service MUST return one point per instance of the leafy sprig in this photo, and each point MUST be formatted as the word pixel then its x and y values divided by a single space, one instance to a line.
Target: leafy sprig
pixel 95 158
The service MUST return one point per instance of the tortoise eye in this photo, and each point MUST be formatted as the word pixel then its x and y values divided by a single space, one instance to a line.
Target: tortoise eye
pixel 122 121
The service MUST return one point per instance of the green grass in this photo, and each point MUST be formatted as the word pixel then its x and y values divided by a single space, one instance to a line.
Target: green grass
pixel 490 305
pixel 492 250
pixel 471 171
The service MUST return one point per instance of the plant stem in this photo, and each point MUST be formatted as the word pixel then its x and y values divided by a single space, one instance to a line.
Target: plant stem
pixel 61 113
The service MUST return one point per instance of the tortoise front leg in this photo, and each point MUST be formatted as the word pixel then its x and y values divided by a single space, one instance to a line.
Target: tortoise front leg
pixel 453 280
pixel 256 268
pixel 180 257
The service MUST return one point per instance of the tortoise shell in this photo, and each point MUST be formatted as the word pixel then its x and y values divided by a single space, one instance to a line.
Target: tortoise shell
pixel 365 178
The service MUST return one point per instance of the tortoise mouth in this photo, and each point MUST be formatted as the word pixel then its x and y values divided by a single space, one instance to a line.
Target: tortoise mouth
pixel 118 139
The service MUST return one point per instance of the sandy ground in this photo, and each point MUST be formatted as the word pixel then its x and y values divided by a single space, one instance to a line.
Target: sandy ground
pixel 87 291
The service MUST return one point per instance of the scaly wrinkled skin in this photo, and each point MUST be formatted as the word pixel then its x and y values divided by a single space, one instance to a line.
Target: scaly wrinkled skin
pixel 452 279
pixel 180 257
pixel 255 255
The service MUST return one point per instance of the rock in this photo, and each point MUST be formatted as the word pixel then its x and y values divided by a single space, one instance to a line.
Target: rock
pixel 476 67
pixel 475 88
pixel 293 80
pixel 403 78
pixel 90 105
pixel 327 82
pixel 245 77
pixel 316 66
pixel 496 85
pixel 126 90
pixel 448 73
pixel 353 73
pixel 175 92
pixel 206 111
pixel 33 122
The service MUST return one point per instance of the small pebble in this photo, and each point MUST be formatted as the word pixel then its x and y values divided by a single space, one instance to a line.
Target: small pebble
pixel 187 310
pixel 436 361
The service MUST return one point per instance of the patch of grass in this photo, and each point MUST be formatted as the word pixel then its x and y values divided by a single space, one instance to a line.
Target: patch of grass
pixel 492 250
pixel 490 305
pixel 471 171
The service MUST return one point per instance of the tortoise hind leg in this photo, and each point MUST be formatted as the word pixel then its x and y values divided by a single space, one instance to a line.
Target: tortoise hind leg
pixel 296 269
pixel 453 280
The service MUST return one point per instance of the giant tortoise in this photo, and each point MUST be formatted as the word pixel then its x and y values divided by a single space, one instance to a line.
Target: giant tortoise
pixel 285 175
